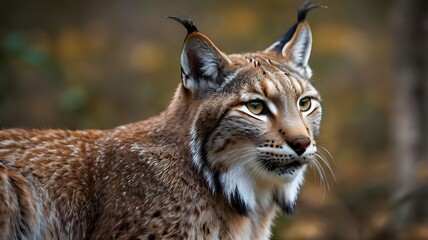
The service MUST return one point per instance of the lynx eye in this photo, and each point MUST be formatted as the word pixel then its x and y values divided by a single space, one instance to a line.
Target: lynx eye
pixel 255 107
pixel 304 104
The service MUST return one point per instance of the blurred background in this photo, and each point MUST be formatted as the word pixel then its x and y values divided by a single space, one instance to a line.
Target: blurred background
pixel 99 64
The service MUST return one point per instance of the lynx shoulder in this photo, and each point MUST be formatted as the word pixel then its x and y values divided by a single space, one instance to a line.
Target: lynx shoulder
pixel 228 153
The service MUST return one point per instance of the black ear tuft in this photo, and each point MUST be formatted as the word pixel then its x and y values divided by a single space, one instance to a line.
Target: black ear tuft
pixel 202 63
pixel 187 23
pixel 303 10
pixel 296 44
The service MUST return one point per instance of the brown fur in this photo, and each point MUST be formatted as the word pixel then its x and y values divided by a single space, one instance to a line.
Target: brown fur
pixel 167 177
pixel 99 185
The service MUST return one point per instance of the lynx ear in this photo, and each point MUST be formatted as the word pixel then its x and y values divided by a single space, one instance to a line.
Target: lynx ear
pixel 202 63
pixel 296 44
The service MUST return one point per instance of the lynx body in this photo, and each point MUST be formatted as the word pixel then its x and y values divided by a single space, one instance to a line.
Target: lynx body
pixel 228 153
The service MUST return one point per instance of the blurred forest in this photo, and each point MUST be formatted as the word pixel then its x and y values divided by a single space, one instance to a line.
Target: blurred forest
pixel 98 64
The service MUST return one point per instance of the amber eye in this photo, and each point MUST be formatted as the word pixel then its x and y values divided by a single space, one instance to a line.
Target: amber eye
pixel 304 104
pixel 255 107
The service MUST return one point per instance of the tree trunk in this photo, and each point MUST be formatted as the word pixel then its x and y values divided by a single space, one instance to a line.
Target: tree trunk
pixel 410 111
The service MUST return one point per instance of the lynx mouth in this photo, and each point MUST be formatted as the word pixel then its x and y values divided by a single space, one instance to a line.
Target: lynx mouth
pixel 281 167
pixel 289 169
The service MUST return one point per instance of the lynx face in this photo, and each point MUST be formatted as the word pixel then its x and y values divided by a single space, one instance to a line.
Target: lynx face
pixel 269 129
pixel 263 135
pixel 257 114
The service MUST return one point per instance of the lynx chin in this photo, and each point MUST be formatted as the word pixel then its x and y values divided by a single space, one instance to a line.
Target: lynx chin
pixel 228 153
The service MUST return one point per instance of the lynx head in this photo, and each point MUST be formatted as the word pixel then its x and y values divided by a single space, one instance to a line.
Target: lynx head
pixel 255 118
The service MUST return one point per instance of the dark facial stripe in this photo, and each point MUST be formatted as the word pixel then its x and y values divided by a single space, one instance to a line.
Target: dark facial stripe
pixel 288 208
pixel 204 153
pixel 239 204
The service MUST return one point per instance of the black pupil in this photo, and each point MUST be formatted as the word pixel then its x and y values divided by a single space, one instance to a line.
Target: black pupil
pixel 303 102
pixel 255 105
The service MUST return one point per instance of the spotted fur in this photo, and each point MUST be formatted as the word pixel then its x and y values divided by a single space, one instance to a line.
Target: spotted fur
pixel 208 167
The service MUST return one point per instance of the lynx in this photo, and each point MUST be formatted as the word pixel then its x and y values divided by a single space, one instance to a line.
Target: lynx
pixel 228 153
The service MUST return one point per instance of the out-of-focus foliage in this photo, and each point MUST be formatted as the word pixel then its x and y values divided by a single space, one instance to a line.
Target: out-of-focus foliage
pixel 88 64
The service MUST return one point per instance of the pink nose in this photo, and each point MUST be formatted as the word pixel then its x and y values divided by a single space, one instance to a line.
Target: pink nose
pixel 299 144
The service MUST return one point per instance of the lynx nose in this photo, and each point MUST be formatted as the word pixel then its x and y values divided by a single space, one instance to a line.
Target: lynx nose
pixel 299 144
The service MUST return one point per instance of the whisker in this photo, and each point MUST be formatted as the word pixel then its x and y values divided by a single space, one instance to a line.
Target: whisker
pixel 244 156
pixel 321 172
pixel 328 152
pixel 327 164
pixel 322 175
pixel 314 171
pixel 241 149
pixel 322 178
pixel 246 161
